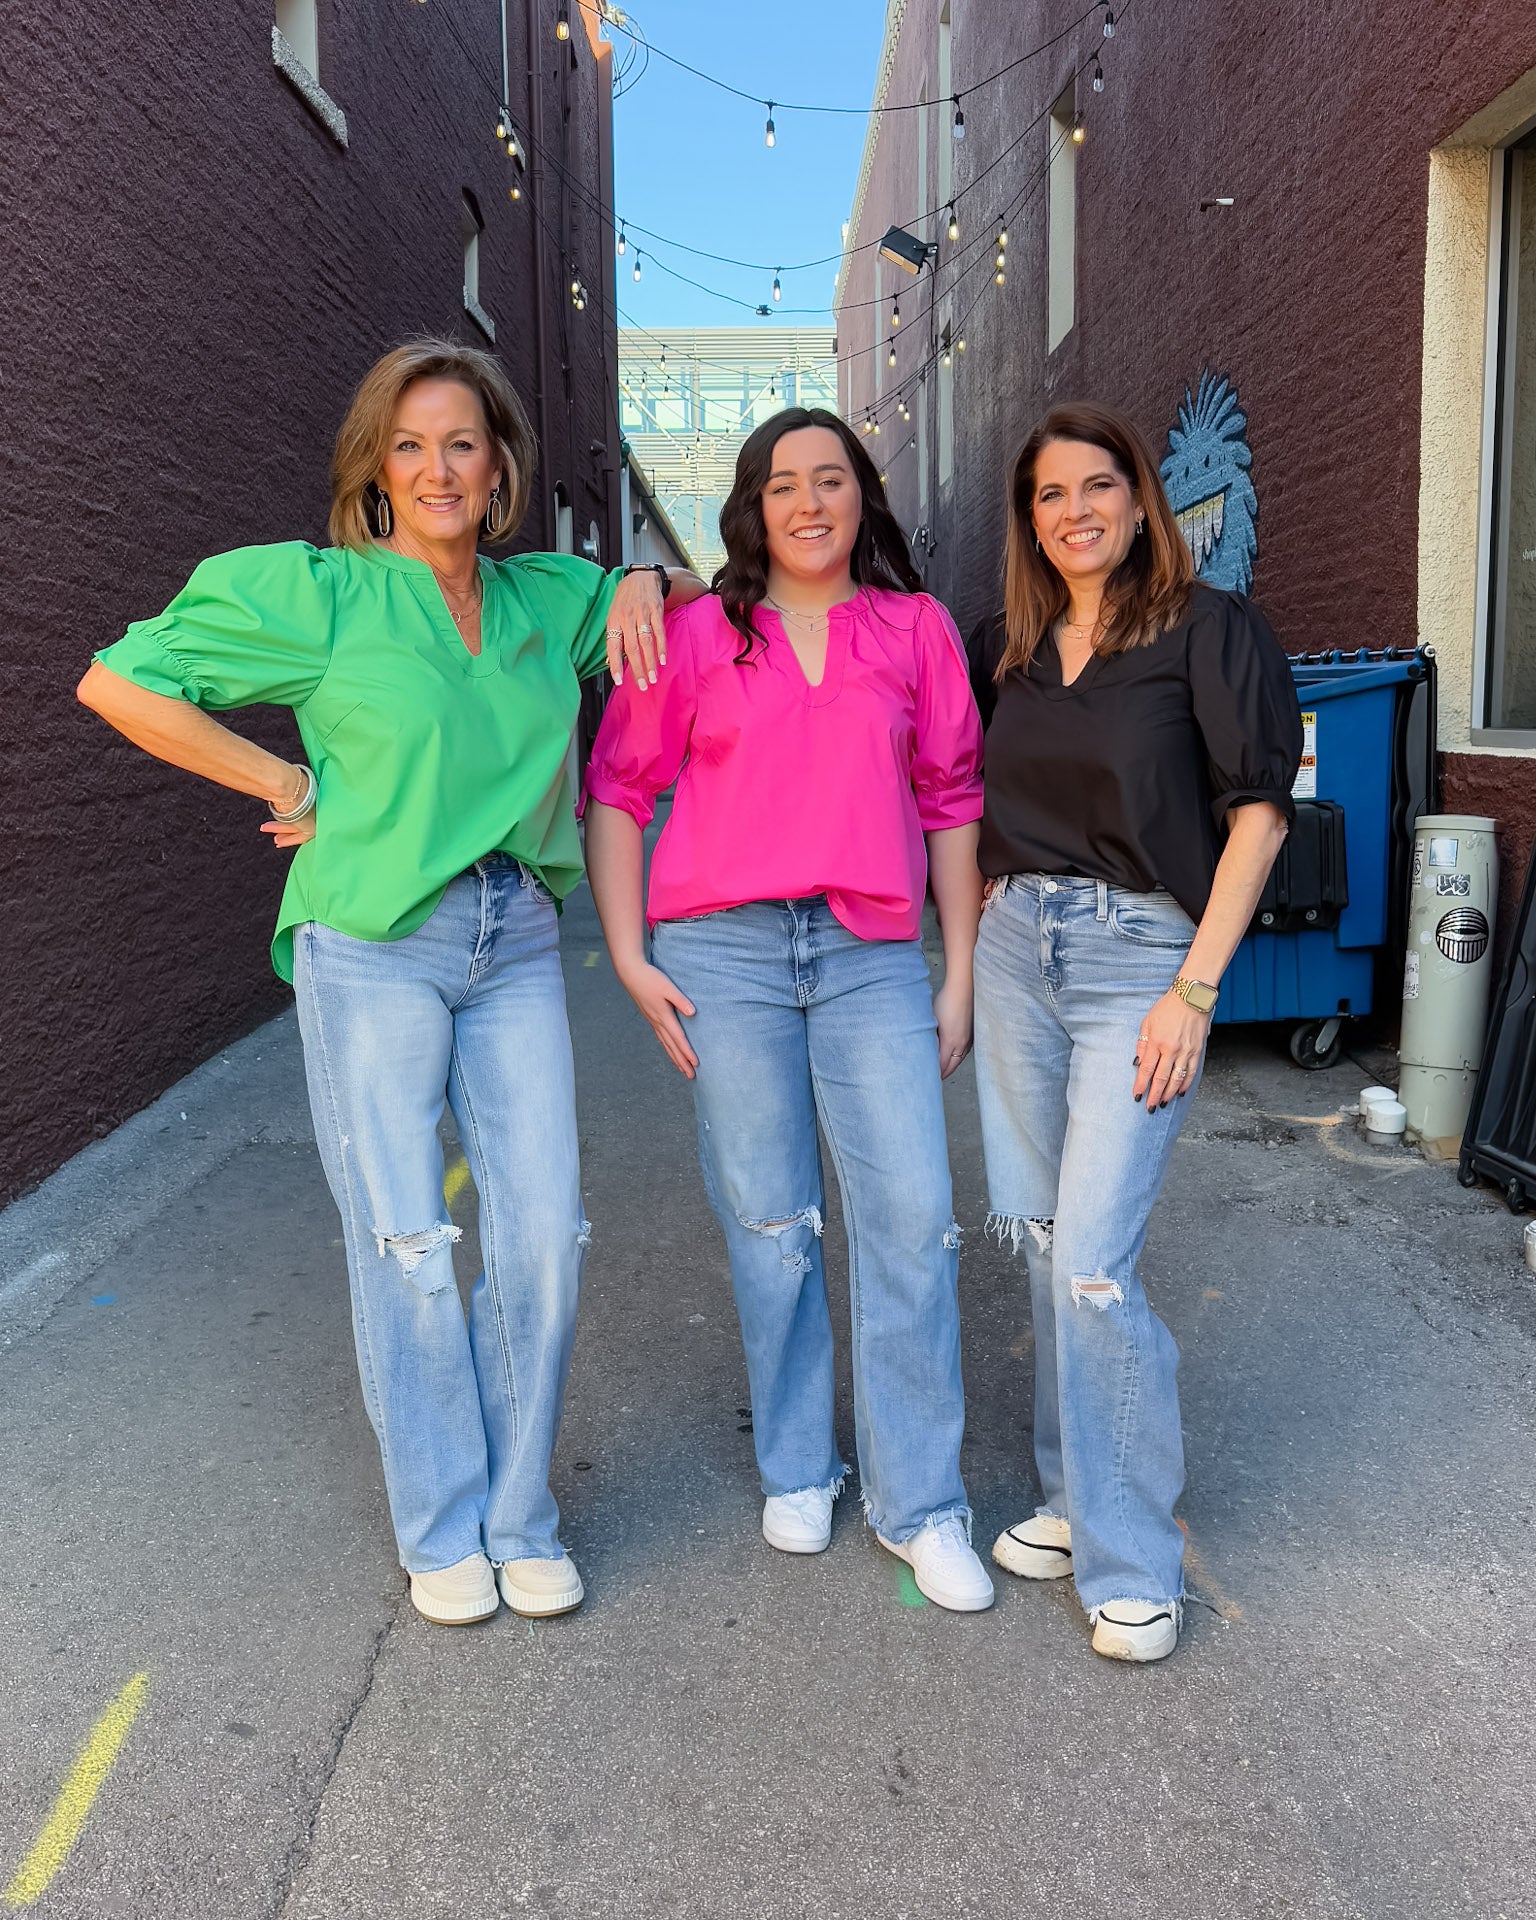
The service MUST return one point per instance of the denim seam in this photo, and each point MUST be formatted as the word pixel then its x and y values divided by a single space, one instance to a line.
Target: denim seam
pixel 488 1247
pixel 346 1180
pixel 855 1289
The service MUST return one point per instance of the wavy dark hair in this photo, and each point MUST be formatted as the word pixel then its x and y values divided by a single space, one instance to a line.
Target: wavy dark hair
pixel 880 558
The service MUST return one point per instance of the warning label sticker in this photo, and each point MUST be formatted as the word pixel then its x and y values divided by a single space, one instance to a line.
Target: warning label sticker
pixel 1411 977
pixel 1305 785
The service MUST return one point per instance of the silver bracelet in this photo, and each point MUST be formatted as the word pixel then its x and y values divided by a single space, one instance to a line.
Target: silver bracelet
pixel 306 804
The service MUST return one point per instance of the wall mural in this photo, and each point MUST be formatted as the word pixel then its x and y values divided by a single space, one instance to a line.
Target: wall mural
pixel 1205 473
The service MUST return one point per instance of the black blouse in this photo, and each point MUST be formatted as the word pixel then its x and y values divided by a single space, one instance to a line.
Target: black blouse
pixel 1126 775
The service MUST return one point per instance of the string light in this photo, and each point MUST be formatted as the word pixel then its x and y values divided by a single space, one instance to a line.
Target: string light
pixel 514 192
pixel 1109 23
pixel 563 24
pixel 890 358
pixel 623 241
pixel 637 263
pixel 869 424
pixel 1079 131
pixel 954 224
pixel 960 344
pixel 502 129
pixel 998 276
pixel 778 291
pixel 1098 77
pixel 895 315
pixel 944 358
pixel 575 285
pixel 1002 236
pixel 958 129
pixel 770 138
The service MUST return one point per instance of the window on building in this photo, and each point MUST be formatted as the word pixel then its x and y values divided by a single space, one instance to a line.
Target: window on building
pixel 565 522
pixel 1510 680
pixel 299 24
pixel 470 228
pixel 1061 249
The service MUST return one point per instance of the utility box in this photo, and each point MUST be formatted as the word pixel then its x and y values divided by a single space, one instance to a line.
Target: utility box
pixel 1447 974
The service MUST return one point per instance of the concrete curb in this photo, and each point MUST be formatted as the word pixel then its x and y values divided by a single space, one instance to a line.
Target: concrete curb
pixel 57 1236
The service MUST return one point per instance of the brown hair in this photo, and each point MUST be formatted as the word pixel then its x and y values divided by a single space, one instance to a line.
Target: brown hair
pixel 364 436
pixel 880 557
pixel 1145 595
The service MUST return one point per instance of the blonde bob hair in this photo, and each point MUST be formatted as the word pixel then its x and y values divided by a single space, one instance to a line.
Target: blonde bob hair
pixel 1145 595
pixel 364 437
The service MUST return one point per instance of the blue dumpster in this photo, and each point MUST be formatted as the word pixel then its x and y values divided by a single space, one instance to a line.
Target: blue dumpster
pixel 1366 773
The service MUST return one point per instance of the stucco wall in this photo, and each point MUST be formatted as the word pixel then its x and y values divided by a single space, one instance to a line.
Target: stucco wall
pixel 196 276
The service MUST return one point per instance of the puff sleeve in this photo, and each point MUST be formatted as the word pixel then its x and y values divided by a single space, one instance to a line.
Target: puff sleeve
pixel 250 627
pixel 946 766
pixel 644 737
pixel 1244 699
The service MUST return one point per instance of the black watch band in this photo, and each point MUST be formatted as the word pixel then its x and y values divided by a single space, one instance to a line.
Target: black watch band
pixel 651 566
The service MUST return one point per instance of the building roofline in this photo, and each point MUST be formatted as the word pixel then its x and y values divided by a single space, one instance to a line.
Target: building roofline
pixel 653 506
pixel 895 14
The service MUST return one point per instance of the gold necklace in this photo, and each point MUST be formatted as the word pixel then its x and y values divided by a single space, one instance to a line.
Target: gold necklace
pixel 794 613
pixel 476 596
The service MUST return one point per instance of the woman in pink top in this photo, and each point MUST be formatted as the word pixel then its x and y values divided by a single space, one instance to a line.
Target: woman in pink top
pixel 816 717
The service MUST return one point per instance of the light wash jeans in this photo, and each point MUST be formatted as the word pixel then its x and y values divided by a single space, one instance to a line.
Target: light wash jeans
pixel 1066 971
pixel 470 1008
pixel 798 1018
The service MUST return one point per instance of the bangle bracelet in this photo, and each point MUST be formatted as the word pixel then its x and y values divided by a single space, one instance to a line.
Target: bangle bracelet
pixel 306 802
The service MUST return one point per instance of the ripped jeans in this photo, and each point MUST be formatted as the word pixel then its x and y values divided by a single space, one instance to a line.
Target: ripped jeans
pixel 470 1008
pixel 1066 971
pixel 797 1018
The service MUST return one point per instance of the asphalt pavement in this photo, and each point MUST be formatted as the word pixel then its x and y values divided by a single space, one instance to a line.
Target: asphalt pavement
pixel 200 1597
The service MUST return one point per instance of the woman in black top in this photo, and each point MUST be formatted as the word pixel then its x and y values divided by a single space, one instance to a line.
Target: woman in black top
pixel 1143 737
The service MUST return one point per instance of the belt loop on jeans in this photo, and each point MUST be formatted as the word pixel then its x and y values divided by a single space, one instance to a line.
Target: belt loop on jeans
pixel 1103 887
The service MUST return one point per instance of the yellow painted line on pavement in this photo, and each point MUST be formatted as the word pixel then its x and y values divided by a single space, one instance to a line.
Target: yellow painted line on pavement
pixel 455 1179
pixel 77 1796
pixel 591 960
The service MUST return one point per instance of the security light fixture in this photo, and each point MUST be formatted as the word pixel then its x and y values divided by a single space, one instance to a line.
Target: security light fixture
pixel 905 250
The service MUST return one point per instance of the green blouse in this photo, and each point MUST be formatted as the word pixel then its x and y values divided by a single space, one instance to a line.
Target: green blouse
pixel 427 756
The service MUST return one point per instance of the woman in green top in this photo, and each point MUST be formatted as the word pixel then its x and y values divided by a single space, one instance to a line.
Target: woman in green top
pixel 435 693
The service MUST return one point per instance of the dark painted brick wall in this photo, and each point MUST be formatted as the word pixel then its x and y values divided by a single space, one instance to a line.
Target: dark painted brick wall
pixel 196 275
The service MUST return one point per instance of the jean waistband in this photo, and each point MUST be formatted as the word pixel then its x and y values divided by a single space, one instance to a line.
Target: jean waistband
pixel 492 863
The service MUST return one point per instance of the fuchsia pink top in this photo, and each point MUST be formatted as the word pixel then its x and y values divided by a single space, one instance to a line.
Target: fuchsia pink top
pixel 785 789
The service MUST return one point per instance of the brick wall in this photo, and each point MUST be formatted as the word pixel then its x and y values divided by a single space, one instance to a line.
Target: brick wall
pixel 197 275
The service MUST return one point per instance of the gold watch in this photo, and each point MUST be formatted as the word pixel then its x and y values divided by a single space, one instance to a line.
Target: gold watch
pixel 1195 993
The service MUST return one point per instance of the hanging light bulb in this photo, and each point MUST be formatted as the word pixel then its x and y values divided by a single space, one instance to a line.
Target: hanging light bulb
pixel 514 192
pixel 512 152
pixel 1002 236
pixel 877 429
pixel 637 263
pixel 773 389
pixel 563 24
pixel 501 125
pixel 770 138
pixel 895 315
pixel 1002 259
pixel 958 129
pixel 890 358
pixel 998 277
pixel 1079 132
pixel 1098 77
pixel 623 241
pixel 869 425
pixel 575 285
pixel 778 291
pixel 944 358
pixel 960 344
pixel 954 225
pixel 1109 23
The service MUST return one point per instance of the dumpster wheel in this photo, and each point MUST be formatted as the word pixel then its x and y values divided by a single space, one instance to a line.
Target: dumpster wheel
pixel 1317 1044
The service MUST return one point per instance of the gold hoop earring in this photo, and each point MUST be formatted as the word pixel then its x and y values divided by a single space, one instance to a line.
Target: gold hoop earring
pixel 384 516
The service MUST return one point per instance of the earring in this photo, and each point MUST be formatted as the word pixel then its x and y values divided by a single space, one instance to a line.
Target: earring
pixel 490 521
pixel 1038 547
pixel 384 516
pixel 1141 525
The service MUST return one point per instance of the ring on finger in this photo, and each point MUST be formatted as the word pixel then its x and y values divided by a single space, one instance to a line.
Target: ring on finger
pixel 644 632
pixel 615 633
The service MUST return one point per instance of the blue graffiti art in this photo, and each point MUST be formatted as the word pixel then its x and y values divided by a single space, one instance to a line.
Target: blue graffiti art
pixel 1206 474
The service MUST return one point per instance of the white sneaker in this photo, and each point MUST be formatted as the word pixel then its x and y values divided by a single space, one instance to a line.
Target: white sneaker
pixel 944 1565
pixel 799 1522
pixel 1039 1548
pixel 456 1596
pixel 1136 1629
pixel 539 1587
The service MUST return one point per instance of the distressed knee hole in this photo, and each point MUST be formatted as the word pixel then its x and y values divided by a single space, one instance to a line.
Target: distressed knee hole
pixel 413 1249
pixel 952 1236
pixel 795 1259
pixel 584 1232
pixel 1010 1229
pixel 1099 1291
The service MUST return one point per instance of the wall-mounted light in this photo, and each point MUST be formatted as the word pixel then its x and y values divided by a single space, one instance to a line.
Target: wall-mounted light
pixel 906 251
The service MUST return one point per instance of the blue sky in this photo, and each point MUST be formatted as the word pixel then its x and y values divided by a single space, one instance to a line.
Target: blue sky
pixel 691 161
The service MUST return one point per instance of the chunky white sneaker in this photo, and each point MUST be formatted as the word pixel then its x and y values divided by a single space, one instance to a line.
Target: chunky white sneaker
pixel 539 1587
pixel 1039 1548
pixel 798 1522
pixel 456 1596
pixel 944 1565
pixel 1136 1629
